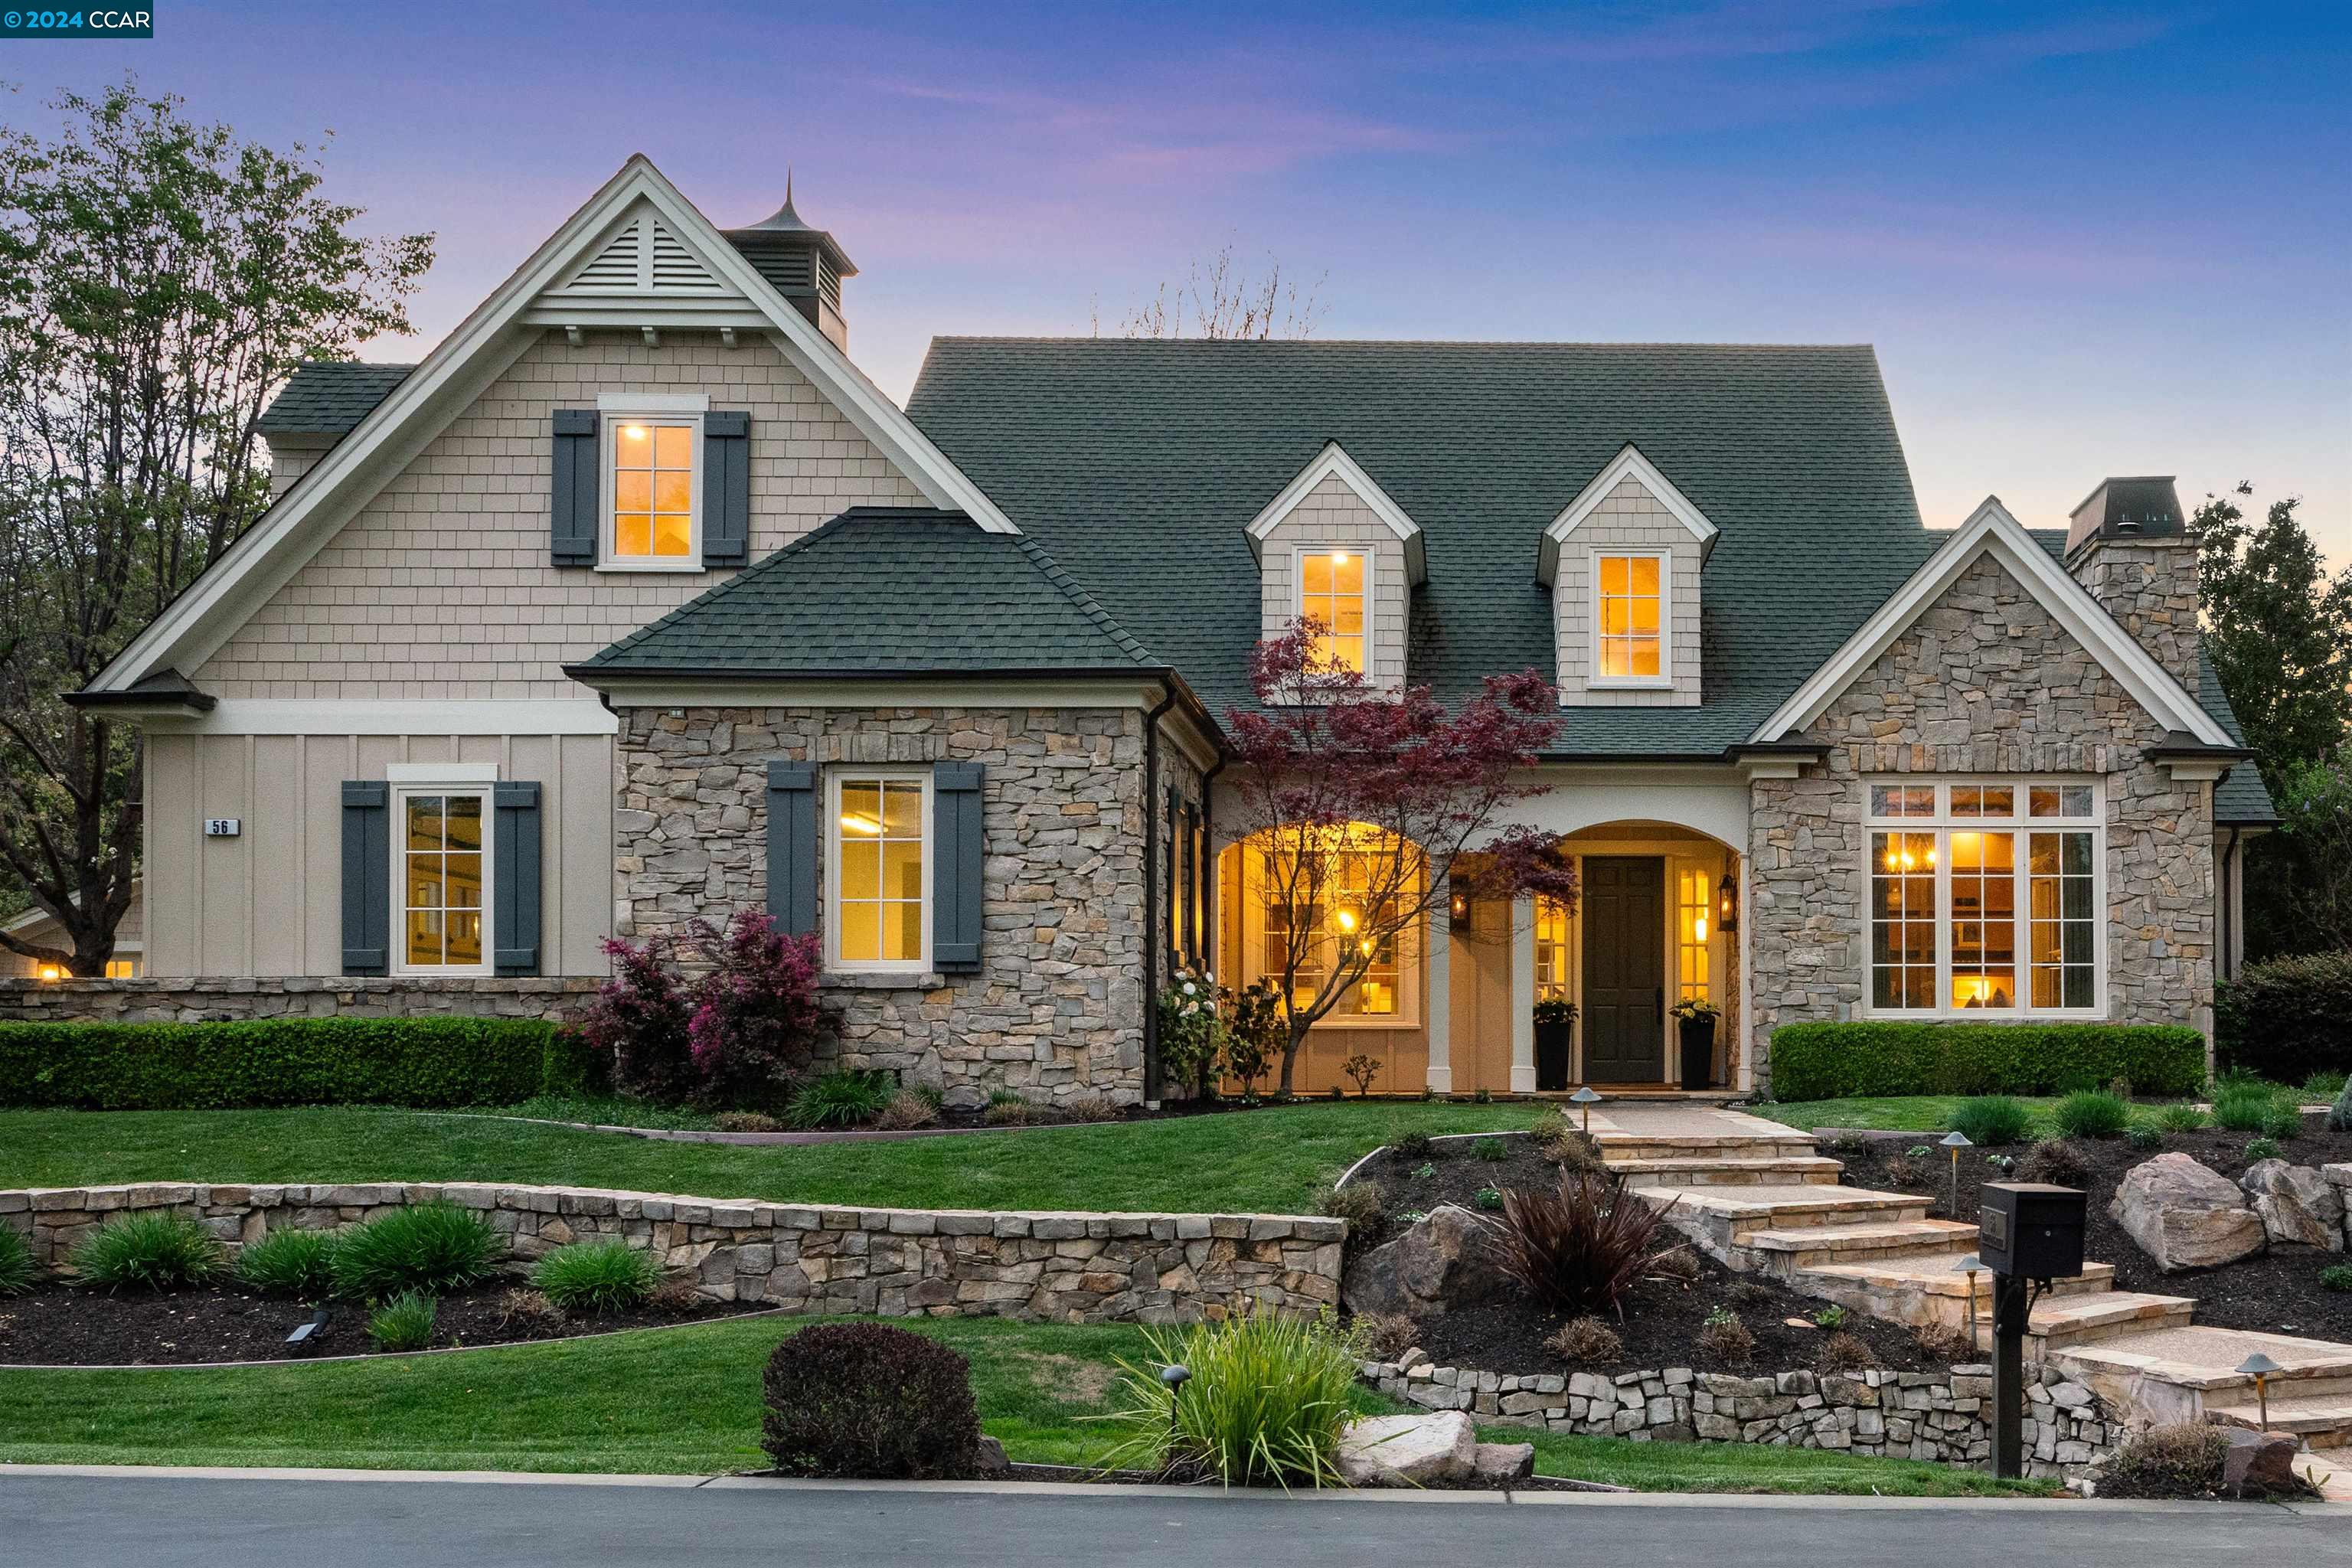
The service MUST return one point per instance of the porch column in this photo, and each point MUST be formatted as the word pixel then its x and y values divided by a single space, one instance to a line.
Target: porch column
pixel 1439 992
pixel 1523 994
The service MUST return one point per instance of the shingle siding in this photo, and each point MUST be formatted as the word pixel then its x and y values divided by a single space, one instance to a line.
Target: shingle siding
pixel 1332 514
pixel 1628 518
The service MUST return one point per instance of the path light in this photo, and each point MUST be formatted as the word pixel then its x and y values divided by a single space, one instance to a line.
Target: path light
pixel 1587 1099
pixel 1175 1376
pixel 1956 1140
pixel 2259 1367
pixel 1969 1265
pixel 304 1332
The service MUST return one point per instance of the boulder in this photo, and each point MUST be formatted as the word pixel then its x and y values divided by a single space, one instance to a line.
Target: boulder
pixel 991 1460
pixel 2262 1464
pixel 2185 1216
pixel 2298 1204
pixel 1441 1263
pixel 1408 1450
pixel 1504 1461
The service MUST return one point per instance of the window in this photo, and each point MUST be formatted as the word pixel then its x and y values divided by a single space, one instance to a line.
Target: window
pixel 1332 590
pixel 652 519
pixel 1340 916
pixel 122 968
pixel 881 874
pixel 1552 950
pixel 443 880
pixel 1984 897
pixel 1694 924
pixel 1629 601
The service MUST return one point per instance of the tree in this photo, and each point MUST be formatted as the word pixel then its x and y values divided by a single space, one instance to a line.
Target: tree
pixel 1216 299
pixel 1364 805
pixel 2279 631
pixel 159 279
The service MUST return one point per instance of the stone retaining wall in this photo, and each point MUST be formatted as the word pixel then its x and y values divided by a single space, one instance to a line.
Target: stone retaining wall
pixel 1941 1416
pixel 168 1001
pixel 1061 1268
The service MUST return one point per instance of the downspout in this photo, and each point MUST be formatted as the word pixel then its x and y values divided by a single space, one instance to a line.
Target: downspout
pixel 1151 897
pixel 2230 906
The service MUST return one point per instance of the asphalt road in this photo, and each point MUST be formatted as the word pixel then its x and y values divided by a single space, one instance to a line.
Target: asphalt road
pixel 85 1522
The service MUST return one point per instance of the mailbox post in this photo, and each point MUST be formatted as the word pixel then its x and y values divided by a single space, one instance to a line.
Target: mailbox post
pixel 2028 1233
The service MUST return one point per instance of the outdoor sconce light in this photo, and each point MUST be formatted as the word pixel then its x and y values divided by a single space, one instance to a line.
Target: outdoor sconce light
pixel 1457 911
pixel 1970 1266
pixel 2259 1367
pixel 1726 905
pixel 1957 1141
pixel 1587 1099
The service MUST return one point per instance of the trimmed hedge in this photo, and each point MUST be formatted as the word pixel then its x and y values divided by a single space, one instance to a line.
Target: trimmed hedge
pixel 2287 1018
pixel 1834 1061
pixel 416 1061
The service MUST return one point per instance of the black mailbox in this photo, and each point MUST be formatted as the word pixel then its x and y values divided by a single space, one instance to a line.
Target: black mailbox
pixel 2030 1230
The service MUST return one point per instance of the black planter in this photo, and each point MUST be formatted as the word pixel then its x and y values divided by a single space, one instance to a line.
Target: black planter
pixel 1552 1047
pixel 1698 1051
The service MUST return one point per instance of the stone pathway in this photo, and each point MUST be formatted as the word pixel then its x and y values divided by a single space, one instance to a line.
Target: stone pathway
pixel 1759 1197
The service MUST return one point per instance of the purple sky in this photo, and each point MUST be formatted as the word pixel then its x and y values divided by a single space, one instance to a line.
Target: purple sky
pixel 2085 240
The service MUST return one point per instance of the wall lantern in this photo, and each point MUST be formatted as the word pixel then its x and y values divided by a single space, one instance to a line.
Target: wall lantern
pixel 1726 905
pixel 1457 912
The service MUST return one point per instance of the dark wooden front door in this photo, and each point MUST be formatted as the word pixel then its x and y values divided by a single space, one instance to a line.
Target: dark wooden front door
pixel 1624 968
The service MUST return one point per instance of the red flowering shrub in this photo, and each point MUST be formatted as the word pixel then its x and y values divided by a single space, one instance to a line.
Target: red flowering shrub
pixel 737 1032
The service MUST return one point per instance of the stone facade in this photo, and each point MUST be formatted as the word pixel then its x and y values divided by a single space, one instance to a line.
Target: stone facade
pixel 894 1263
pixel 169 1001
pixel 1057 1008
pixel 1985 682
pixel 2149 587
pixel 1945 1418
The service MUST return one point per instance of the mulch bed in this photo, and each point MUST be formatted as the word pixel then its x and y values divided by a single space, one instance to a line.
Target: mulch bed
pixel 1661 1318
pixel 2277 1291
pixel 60 1324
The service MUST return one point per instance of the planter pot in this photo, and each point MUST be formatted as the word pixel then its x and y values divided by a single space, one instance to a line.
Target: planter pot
pixel 1698 1051
pixel 1553 1042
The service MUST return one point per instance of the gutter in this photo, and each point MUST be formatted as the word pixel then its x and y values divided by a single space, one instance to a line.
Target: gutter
pixel 1151 896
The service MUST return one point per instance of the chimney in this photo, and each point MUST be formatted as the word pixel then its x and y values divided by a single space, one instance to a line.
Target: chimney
pixel 2129 545
pixel 805 264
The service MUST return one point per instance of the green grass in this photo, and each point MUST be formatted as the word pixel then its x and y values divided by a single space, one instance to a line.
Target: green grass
pixel 685 1401
pixel 1907 1113
pixel 1261 1161
pixel 605 1110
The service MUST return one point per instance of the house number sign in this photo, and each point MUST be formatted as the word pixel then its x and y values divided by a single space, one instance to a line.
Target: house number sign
pixel 222 826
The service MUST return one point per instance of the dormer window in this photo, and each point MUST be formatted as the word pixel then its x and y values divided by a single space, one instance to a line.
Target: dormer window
pixel 1623 564
pixel 1628 597
pixel 1334 585
pixel 1336 549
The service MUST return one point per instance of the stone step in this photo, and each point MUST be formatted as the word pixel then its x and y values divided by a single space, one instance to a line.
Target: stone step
pixel 2059 1321
pixel 1805 1245
pixel 1921 1289
pixel 2205 1360
pixel 1693 1146
pixel 1719 1219
pixel 1726 1171
pixel 2322 1421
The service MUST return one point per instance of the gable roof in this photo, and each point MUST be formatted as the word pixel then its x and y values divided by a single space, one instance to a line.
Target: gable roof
pixel 1628 464
pixel 886 590
pixel 501 329
pixel 329 397
pixel 1333 463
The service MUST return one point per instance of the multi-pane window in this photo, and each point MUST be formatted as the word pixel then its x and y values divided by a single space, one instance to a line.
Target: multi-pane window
pixel 653 491
pixel 1628 609
pixel 879 883
pixel 1331 593
pixel 1983 896
pixel 1694 923
pixel 1339 925
pixel 443 875
pixel 1552 950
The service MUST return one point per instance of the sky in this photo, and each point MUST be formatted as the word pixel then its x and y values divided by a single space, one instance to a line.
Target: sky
pixel 2085 239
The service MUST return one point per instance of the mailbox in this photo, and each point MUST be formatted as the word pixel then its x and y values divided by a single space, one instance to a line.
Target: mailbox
pixel 2030 1230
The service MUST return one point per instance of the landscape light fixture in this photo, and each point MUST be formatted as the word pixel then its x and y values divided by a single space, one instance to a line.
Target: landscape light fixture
pixel 2259 1367
pixel 1175 1377
pixel 1956 1140
pixel 1587 1099
pixel 1970 1266
pixel 304 1332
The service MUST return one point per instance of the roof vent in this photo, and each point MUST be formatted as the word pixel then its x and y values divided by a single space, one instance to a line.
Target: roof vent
pixel 805 264
pixel 2142 507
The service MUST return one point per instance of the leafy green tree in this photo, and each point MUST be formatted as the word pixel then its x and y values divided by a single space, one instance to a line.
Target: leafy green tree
pixel 2279 631
pixel 2313 903
pixel 159 279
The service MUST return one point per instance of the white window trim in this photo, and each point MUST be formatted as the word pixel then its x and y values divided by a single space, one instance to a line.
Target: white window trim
pixel 455 778
pixel 1412 946
pixel 1664 680
pixel 648 410
pixel 1371 554
pixel 831 920
pixel 1942 823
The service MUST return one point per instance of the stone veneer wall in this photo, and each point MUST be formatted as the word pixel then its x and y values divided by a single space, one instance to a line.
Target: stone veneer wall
pixel 1940 1416
pixel 896 1263
pixel 169 1001
pixel 1057 1008
pixel 1985 682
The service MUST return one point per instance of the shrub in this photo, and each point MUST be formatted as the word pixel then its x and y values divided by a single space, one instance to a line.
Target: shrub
pixel 597 1276
pixel 2091 1114
pixel 1831 1060
pixel 1010 1110
pixel 1752 1293
pixel 906 1111
pixel 296 1263
pixel 2144 1135
pixel 1490 1150
pixel 1946 1343
pixel 1903 1171
pixel 1487 1198
pixel 2180 1116
pixel 1268 1399
pixel 1676 1266
pixel 1413 1147
pixel 739 1033
pixel 866 1400
pixel 2336 1277
pixel 2323 1087
pixel 150 1250
pixel 1586 1340
pixel 675 1297
pixel 640 1019
pixel 2244 1107
pixel 1091 1108
pixel 404 1323
pixel 1991 1119
pixel 846 1097
pixel 426 1248
pixel 745 1121
pixel 1362 1068
pixel 1726 1337
pixel 1384 1336
pixel 1843 1353
pixel 2285 1120
pixel 1363 1206
pixel 2286 1018
pixel 16 1270
pixel 2264 1149
pixel 1580 1248
pixel 1830 1317
pixel 2055 1160
pixel 426 1061
pixel 529 1312
pixel 2180 1460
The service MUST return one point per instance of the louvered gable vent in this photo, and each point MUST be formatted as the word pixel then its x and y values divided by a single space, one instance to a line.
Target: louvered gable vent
pixel 676 269
pixel 615 267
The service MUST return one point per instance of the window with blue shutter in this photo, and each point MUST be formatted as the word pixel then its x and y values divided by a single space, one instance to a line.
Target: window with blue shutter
pixel 367 877
pixel 792 846
pixel 958 900
pixel 575 521
pixel 726 487
pixel 515 886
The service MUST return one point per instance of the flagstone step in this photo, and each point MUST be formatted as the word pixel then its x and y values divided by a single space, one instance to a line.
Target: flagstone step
pixel 1719 1218
pixel 2322 1421
pixel 1805 1245
pixel 2175 1374
pixel 1922 1289
pixel 1728 1170
pixel 1615 1146
pixel 2059 1321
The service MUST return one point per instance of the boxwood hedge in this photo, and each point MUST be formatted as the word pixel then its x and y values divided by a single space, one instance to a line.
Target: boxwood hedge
pixel 1833 1061
pixel 414 1061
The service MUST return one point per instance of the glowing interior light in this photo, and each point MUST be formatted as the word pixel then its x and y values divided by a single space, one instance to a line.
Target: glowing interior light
pixel 852 821
pixel 1698 928
pixel 1347 919
pixel 634 432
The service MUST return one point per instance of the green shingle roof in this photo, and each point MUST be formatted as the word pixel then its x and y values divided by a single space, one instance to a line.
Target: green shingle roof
pixel 329 397
pixel 885 590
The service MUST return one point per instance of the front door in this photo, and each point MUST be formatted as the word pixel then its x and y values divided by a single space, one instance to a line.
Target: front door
pixel 1624 968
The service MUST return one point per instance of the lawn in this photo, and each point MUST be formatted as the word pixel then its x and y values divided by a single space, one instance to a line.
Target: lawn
pixel 1267 1161
pixel 1907 1113
pixel 685 1401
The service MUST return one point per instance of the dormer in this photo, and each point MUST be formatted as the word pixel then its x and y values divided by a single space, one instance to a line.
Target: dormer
pixel 1622 563
pixel 1335 546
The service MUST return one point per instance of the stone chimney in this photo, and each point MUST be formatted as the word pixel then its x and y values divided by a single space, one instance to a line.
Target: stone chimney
pixel 804 263
pixel 2129 545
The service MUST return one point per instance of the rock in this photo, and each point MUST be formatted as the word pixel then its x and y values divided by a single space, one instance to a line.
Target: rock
pixel 2260 1464
pixel 2185 1216
pixel 2298 1205
pixel 991 1461
pixel 1441 1263
pixel 2339 1115
pixel 1504 1461
pixel 1408 1450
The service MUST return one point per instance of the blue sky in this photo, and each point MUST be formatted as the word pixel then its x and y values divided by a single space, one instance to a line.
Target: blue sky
pixel 2085 240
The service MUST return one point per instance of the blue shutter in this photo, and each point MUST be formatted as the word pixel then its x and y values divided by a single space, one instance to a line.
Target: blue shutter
pixel 575 521
pixel 726 487
pixel 367 877
pixel 792 846
pixel 958 851
pixel 514 853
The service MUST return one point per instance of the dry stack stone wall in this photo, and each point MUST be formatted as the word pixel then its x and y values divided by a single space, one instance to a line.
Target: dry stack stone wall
pixel 815 1258
pixel 165 1001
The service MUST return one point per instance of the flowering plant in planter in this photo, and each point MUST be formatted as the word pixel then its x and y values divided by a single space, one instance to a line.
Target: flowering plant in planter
pixel 1555 1010
pixel 1691 1008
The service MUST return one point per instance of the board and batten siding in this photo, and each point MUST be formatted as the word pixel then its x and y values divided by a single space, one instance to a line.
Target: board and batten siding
pixel 1332 514
pixel 1629 518
pixel 268 903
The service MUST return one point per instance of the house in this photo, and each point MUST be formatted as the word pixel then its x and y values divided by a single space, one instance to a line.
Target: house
pixel 636 602
pixel 40 927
